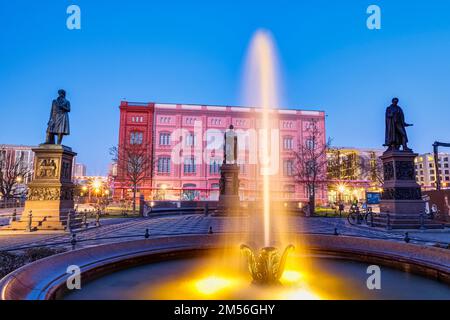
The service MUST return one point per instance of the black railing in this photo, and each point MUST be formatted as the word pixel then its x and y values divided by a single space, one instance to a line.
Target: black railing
pixel 148 235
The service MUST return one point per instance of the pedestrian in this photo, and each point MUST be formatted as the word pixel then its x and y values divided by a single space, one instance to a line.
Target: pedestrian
pixel 341 208
pixel 97 218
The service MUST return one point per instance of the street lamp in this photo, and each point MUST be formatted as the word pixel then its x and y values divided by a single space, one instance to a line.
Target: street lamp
pixel 341 188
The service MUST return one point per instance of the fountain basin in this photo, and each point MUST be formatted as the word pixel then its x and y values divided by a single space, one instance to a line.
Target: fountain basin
pixel 46 278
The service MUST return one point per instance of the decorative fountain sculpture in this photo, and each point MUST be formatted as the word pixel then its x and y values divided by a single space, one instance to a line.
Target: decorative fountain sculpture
pixel 266 266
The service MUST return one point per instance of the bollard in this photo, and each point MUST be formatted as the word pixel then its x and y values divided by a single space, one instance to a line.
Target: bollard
pixel 388 224
pixel 30 221
pixel 69 221
pixel 371 219
pixel 210 230
pixel 422 222
pixel 206 209
pixel 73 241
pixel 85 220
pixel 14 216
pixel 147 234
pixel 407 238
pixel 336 233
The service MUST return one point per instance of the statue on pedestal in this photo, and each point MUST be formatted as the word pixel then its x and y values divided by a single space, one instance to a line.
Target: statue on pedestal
pixel 396 128
pixel 230 146
pixel 58 124
pixel 229 202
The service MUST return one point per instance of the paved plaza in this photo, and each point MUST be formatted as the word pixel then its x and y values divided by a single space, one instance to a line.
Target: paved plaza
pixel 123 229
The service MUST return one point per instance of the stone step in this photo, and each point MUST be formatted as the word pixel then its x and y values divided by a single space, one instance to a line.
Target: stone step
pixel 406 223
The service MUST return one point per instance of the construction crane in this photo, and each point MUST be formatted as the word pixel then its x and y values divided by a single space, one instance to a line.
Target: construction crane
pixel 436 146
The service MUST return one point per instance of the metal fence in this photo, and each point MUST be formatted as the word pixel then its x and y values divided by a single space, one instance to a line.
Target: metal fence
pixel 11 203
pixel 147 234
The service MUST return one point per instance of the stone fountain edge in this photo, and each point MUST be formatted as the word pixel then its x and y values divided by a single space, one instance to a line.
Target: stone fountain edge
pixel 46 278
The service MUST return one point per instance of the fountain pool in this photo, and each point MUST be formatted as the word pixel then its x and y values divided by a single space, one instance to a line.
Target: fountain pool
pixel 194 278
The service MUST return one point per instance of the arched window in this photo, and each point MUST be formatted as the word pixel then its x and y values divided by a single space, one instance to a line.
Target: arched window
pixel 164 139
pixel 164 164
pixel 136 137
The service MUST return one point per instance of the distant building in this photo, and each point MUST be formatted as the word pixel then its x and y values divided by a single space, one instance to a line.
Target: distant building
pixel 426 173
pixel 352 172
pixel 79 170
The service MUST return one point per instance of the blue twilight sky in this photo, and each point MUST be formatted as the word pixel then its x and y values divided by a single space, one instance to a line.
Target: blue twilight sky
pixel 193 52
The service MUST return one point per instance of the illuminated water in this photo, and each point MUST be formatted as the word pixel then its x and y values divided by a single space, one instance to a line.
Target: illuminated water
pixel 261 89
pixel 331 279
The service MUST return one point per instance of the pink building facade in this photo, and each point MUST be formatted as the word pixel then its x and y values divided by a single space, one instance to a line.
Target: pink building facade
pixel 187 149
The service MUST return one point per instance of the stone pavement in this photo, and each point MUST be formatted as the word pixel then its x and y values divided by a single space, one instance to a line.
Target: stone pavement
pixel 123 229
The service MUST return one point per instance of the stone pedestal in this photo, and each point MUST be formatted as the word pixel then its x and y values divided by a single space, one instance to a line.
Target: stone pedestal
pixel 229 202
pixel 401 203
pixel 50 194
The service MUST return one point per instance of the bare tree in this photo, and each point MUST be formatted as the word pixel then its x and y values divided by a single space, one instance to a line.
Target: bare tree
pixel 310 162
pixel 13 171
pixel 372 168
pixel 134 164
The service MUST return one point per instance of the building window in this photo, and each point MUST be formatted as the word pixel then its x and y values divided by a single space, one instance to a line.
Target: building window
pixel 310 144
pixel 164 139
pixel 288 168
pixel 288 125
pixel 136 137
pixel 214 166
pixel 216 121
pixel 215 186
pixel 191 140
pixel 190 120
pixel 189 165
pixel 289 191
pixel 165 120
pixel 288 143
pixel 164 165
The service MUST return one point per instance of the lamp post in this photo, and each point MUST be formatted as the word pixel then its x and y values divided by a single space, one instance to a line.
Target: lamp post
pixel 341 190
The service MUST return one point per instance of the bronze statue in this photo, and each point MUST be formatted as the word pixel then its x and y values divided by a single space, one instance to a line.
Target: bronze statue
pixel 396 128
pixel 58 124
pixel 230 146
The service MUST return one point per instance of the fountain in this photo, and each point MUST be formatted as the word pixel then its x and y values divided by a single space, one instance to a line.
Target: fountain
pixel 210 265
pixel 261 90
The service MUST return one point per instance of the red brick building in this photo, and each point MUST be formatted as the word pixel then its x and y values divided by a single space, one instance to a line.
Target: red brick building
pixel 178 137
